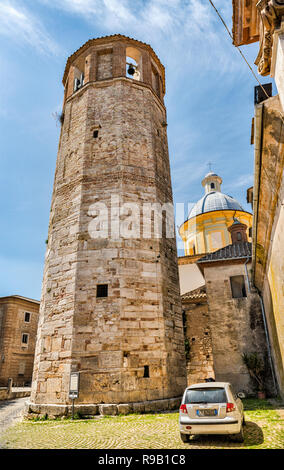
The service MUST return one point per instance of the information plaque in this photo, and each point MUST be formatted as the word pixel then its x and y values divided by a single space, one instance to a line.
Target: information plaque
pixel 74 385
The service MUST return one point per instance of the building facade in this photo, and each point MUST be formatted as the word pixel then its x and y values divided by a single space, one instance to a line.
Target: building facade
pixel 235 317
pixel 18 327
pixel 223 319
pixel 110 306
pixel 265 22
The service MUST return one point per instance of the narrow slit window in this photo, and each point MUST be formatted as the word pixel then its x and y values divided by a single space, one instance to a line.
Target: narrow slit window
pixel 25 338
pixel 102 290
pixel 95 134
pixel 27 317
pixel 146 372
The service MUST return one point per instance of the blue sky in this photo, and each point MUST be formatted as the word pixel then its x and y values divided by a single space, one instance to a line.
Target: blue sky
pixel 209 102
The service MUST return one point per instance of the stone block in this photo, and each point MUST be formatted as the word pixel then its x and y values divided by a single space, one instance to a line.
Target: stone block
pixel 124 408
pixel 108 409
pixel 138 407
pixel 174 403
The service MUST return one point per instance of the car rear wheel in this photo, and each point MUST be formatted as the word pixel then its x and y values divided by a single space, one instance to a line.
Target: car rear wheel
pixel 184 437
pixel 239 437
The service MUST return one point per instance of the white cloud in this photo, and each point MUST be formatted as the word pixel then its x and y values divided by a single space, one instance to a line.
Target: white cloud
pixel 23 27
pixel 242 181
pixel 175 28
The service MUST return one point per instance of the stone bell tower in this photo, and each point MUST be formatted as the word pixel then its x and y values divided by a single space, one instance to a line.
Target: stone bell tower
pixel 110 306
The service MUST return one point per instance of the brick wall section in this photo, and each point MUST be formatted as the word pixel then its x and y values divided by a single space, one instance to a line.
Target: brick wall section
pixel 12 351
pixel 200 359
pixel 109 340
pixel 104 64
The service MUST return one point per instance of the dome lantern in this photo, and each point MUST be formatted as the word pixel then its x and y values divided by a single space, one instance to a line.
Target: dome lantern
pixel 212 182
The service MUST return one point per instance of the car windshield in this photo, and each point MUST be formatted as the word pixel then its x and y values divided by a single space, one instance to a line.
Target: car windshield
pixel 205 395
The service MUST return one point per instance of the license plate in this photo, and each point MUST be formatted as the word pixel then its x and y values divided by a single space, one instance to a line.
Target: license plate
pixel 206 412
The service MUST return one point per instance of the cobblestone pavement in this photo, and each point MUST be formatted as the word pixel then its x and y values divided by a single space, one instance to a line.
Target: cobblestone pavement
pixel 10 412
pixel 264 429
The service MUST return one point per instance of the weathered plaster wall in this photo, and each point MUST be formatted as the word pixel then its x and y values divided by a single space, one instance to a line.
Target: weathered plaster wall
pixel 269 224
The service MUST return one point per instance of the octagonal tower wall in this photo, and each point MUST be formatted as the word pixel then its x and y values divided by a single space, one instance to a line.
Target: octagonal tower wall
pixel 127 344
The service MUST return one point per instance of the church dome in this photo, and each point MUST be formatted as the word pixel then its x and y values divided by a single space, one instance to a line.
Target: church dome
pixel 209 222
pixel 214 201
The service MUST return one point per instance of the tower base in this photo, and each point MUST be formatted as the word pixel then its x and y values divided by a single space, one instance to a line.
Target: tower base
pixel 54 410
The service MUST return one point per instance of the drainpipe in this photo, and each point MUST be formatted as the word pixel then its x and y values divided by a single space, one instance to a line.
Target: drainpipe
pixel 248 281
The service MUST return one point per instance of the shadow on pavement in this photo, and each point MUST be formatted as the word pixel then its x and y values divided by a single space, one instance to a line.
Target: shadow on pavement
pixel 253 436
pixel 5 403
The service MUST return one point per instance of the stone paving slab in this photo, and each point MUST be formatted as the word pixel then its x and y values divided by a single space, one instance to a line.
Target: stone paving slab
pixel 11 411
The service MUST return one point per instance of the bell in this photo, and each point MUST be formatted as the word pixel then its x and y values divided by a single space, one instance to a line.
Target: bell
pixel 131 70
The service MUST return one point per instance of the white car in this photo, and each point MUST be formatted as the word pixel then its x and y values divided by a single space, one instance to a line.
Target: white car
pixel 211 408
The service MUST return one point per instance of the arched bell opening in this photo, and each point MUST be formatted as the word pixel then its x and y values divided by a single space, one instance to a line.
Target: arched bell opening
pixel 133 64
pixel 78 78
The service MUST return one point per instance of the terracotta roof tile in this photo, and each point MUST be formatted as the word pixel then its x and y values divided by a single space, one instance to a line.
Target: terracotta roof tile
pixel 196 294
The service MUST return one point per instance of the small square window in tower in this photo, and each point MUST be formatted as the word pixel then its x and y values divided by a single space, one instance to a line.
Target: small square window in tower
pixel 238 287
pixel 102 290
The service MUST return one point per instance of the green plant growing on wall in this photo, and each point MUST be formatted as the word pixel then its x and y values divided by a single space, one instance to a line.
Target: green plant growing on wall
pixel 256 368
pixel 187 349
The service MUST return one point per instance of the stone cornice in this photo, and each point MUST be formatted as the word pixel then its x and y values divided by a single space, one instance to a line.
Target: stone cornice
pixel 271 12
pixel 108 82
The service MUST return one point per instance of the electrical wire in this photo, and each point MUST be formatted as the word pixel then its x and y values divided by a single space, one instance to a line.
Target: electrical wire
pixel 231 36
